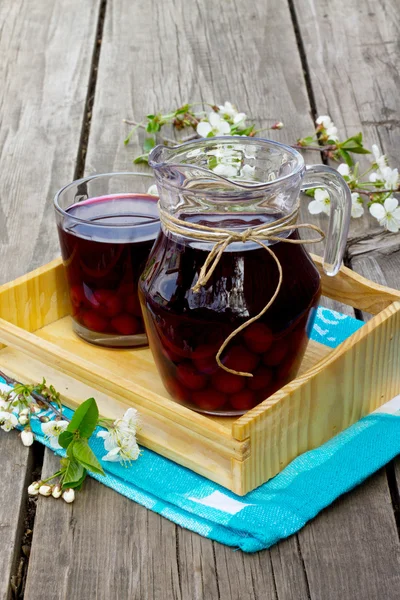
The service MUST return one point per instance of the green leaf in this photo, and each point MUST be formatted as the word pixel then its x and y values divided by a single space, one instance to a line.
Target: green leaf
pixel 246 131
pixel 85 418
pixel 76 485
pixel 143 158
pixel 308 140
pixel 84 454
pixel 360 150
pixel 150 116
pixel 73 474
pixel 70 449
pixel 130 134
pixel 358 138
pixel 310 192
pixel 346 157
pixel 182 110
pixel 65 438
pixel 153 126
pixel 212 162
pixel 149 144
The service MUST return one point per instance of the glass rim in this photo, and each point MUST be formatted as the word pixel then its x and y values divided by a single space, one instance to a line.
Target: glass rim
pixel 77 182
pixel 157 164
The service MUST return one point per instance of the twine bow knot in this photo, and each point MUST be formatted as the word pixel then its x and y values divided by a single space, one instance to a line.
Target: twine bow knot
pixel 267 232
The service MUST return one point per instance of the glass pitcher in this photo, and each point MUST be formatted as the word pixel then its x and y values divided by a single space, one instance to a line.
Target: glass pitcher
pixel 229 291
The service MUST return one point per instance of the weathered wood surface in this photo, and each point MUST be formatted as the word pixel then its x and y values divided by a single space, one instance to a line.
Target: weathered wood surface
pixel 16 466
pixel 339 566
pixel 45 55
pixel 157 55
pixel 353 60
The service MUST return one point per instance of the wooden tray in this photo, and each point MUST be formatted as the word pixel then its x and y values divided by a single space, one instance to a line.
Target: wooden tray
pixel 333 390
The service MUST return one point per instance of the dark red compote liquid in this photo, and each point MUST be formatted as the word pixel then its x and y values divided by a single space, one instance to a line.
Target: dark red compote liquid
pixel 185 329
pixel 104 254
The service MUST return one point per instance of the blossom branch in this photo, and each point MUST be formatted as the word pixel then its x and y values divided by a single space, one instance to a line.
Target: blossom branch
pixel 376 191
pixel 40 398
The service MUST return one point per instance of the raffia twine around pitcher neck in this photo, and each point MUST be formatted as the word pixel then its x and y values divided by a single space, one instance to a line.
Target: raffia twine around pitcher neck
pixel 222 238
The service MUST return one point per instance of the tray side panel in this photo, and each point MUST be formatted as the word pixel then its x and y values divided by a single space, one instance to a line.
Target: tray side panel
pixel 355 290
pixel 359 376
pixel 37 299
pixel 163 436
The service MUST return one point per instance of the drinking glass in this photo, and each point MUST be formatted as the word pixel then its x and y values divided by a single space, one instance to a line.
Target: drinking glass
pixel 107 225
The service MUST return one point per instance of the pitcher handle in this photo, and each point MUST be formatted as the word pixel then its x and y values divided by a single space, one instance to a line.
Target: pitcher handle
pixel 321 176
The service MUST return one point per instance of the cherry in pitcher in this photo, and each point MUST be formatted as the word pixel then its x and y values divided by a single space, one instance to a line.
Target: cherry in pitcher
pixel 229 262
pixel 105 239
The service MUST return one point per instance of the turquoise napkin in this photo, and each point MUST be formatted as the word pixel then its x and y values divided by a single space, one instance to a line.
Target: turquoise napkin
pixel 281 506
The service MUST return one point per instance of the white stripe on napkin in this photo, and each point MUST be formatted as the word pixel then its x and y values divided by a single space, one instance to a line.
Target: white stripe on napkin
pixel 390 408
pixel 221 502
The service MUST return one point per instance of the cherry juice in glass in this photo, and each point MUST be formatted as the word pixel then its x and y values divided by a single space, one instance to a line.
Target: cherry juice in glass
pixel 186 329
pixel 105 242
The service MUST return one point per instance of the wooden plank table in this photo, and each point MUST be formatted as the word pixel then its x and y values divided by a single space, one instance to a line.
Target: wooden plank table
pixel 69 73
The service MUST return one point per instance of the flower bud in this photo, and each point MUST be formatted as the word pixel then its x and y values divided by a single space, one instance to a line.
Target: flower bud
pixel 56 493
pixel 69 495
pixel 44 419
pixel 45 489
pixel 33 489
pixel 24 412
pixel 34 408
pixel 23 419
pixel 277 125
pixel 27 437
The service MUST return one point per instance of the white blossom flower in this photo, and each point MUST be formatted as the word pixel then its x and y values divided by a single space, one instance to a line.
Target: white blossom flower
pixel 331 133
pixel 23 419
pixel 57 491
pixel 27 437
pixel 153 191
pixel 387 214
pixel 391 178
pixel 7 420
pixel 45 489
pixel 68 495
pixel 4 389
pixel 330 130
pixel 344 170
pixel 321 202
pixel 126 450
pixel 247 171
pixel 5 393
pixel 120 440
pixel 240 120
pixel 357 206
pixel 374 177
pixel 215 126
pixel 130 421
pixel 52 430
pixel 325 121
pixel 120 445
pixel 225 170
pixel 228 110
pixel 380 159
pixel 33 489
